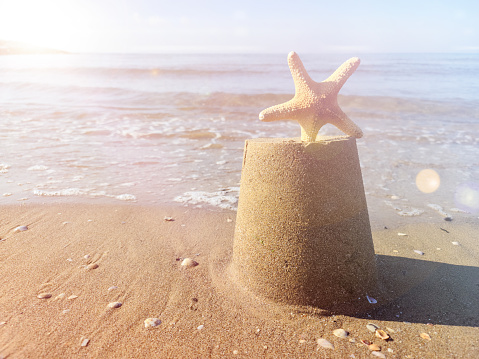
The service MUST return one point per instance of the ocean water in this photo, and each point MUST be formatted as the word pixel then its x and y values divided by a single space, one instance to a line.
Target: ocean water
pixel 152 129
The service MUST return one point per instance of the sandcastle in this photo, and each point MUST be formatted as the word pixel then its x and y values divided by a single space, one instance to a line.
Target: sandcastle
pixel 302 232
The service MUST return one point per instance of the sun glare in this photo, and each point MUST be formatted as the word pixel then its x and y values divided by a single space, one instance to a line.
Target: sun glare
pixel 63 25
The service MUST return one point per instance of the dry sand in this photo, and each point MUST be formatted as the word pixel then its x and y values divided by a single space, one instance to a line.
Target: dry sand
pixel 203 313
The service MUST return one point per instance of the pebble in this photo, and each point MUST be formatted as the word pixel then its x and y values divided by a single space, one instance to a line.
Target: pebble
pixel 449 219
pixel 419 252
pixel 92 266
pixel 114 305
pixel 200 327
pixel 325 343
pixel 229 220
pixel 44 295
pixel 152 322
pixel 455 243
pixel 85 342
pixel 189 263
pixel 20 229
pixel 402 234
pixel 372 328
pixel 379 355
pixel 340 333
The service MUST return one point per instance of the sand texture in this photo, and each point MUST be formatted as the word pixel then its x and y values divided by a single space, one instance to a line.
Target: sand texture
pixel 80 258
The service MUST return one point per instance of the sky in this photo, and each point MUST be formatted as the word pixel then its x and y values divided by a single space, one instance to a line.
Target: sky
pixel 243 26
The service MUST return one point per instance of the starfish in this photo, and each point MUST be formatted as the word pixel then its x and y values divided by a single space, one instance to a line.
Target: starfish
pixel 315 103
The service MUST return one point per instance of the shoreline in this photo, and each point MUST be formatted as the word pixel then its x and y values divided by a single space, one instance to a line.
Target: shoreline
pixel 203 312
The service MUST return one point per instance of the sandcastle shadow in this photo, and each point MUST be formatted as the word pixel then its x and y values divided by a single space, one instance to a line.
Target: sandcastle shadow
pixel 420 291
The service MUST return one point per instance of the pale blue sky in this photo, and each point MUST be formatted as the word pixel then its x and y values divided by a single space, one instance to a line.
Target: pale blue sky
pixel 243 26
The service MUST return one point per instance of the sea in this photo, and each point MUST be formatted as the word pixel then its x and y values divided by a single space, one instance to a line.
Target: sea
pixel 170 129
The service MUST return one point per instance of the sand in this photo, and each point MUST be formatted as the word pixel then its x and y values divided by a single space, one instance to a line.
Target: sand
pixel 203 312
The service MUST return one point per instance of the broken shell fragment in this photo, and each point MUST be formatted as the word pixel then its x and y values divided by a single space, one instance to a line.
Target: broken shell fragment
pixel 374 347
pixel 425 336
pixel 152 322
pixel 382 334
pixel 379 355
pixel 20 229
pixel 325 343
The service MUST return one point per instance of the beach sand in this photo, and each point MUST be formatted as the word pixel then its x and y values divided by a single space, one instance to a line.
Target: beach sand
pixel 203 312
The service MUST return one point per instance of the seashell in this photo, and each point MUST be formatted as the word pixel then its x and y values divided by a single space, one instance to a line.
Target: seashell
pixel 189 263
pixel 114 305
pixel 402 234
pixel 20 229
pixel 325 343
pixel 425 336
pixel 374 347
pixel 85 342
pixel 73 296
pixel 152 322
pixel 44 295
pixel 418 252
pixel 382 334
pixel 113 287
pixel 379 355
pixel 200 327
pixel 371 299
pixel 366 342
pixel 340 333
pixel 455 243
pixel 169 219
pixel 371 327
pixel 59 296
pixel 92 266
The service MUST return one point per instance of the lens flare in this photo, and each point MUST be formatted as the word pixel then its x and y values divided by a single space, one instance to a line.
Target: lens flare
pixel 428 181
pixel 467 197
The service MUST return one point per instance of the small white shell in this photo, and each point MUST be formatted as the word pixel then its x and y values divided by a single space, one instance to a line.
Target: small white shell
pixel 114 305
pixel 44 295
pixel 152 322
pixel 340 333
pixel 419 252
pixel 189 263
pixel 20 229
pixel 379 355
pixel 371 299
pixel 371 327
pixel 325 343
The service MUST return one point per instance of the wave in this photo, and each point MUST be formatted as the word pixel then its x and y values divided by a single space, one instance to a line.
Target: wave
pixel 137 101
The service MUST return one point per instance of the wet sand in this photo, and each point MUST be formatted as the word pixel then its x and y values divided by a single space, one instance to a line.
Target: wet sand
pixel 130 254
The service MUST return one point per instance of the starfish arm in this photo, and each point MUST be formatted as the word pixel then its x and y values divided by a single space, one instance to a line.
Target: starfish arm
pixel 340 76
pixel 339 119
pixel 285 111
pixel 301 79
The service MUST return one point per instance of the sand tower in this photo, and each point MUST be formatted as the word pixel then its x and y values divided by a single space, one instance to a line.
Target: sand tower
pixel 302 231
